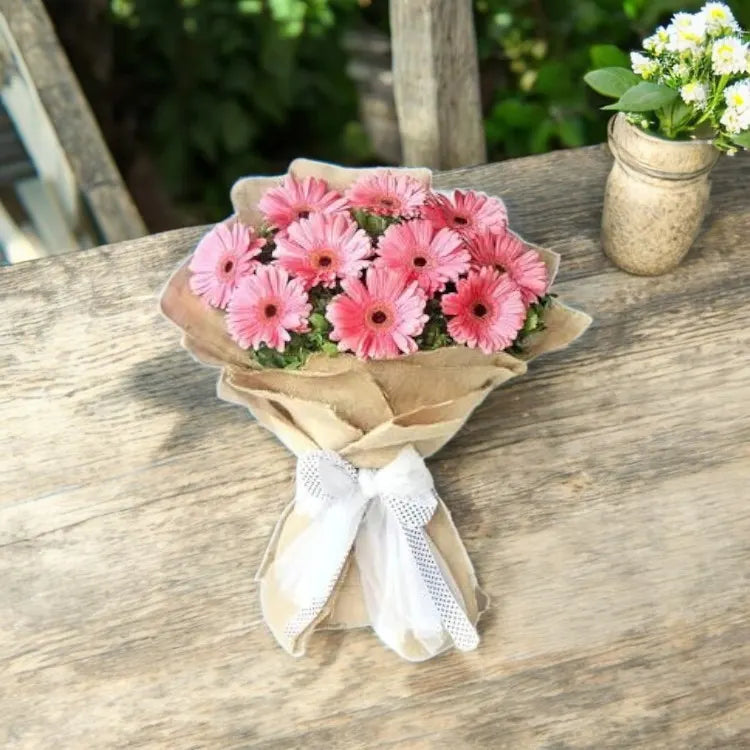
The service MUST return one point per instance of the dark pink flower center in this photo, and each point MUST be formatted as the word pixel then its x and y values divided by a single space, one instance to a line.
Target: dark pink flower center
pixel 270 310
pixel 303 213
pixel 380 316
pixel 460 220
pixel 419 261
pixel 324 259
pixel 387 202
pixel 228 266
pixel 480 310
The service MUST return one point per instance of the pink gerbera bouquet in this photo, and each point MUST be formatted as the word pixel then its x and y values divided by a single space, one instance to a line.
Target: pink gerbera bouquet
pixel 361 316
pixel 386 267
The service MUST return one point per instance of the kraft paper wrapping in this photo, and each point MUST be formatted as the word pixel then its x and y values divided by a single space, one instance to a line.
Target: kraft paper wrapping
pixel 365 410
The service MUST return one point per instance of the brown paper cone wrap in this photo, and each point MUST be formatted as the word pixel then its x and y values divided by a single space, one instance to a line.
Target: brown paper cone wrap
pixel 365 410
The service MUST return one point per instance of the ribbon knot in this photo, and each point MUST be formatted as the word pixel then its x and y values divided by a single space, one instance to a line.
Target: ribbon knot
pixel 381 514
pixel 368 483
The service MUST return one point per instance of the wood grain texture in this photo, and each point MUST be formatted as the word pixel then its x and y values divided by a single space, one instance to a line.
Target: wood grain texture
pixel 97 175
pixel 603 499
pixel 436 83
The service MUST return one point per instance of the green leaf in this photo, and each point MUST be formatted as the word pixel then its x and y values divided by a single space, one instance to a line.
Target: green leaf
pixel 645 97
pixel 611 81
pixel 742 139
pixel 318 322
pixel 608 56
pixel 680 112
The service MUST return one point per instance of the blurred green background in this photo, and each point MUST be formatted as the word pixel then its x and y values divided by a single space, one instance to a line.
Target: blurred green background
pixel 191 94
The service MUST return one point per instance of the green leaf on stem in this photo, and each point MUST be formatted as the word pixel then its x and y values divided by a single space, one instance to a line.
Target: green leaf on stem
pixel 611 81
pixel 645 97
pixel 742 139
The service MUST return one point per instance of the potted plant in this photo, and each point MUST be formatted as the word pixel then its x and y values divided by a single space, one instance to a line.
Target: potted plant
pixel 686 99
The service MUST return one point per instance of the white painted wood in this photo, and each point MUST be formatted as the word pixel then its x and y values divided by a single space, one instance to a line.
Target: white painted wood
pixel 42 205
pixel 17 245
pixel 37 133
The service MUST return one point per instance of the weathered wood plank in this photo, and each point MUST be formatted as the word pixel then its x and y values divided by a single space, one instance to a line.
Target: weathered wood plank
pixel 602 498
pixel 436 83
pixel 74 126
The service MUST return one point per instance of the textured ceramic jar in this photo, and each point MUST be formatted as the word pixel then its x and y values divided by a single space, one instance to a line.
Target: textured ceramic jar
pixel 656 197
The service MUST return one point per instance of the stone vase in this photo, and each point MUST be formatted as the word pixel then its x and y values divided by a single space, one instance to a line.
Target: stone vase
pixel 656 197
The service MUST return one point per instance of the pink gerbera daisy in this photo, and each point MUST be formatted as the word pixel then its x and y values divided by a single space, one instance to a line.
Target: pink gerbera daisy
pixel 266 307
pixel 418 252
pixel 388 193
pixel 223 257
pixel 297 200
pixel 488 311
pixel 467 212
pixel 379 318
pixel 508 253
pixel 323 248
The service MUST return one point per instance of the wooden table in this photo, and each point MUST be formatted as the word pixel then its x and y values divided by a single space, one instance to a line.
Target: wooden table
pixel 604 499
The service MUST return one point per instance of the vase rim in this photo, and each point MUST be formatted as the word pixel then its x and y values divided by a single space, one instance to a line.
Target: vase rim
pixel 657 138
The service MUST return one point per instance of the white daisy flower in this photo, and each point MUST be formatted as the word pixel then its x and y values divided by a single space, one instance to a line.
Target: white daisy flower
pixel 718 19
pixel 657 42
pixel 681 70
pixel 737 96
pixel 732 121
pixel 729 55
pixel 696 93
pixel 687 32
pixel 643 66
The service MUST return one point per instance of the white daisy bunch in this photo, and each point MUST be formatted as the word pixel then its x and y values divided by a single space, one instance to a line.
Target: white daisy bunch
pixel 736 117
pixel 691 79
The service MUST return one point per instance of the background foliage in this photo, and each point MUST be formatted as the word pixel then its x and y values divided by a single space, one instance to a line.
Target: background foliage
pixel 212 89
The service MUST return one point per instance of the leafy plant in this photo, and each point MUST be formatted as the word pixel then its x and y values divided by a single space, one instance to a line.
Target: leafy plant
pixel 221 88
pixel 691 79
pixel 532 58
pixel 213 89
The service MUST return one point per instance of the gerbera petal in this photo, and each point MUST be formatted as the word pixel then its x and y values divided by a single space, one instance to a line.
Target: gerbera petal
pixel 466 212
pixel 266 307
pixel 377 319
pixel 509 254
pixel 417 251
pixel 486 311
pixel 295 199
pixel 388 193
pixel 323 249
pixel 223 257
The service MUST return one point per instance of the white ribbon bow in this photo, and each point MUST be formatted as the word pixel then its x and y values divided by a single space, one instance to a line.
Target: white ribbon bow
pixel 382 514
